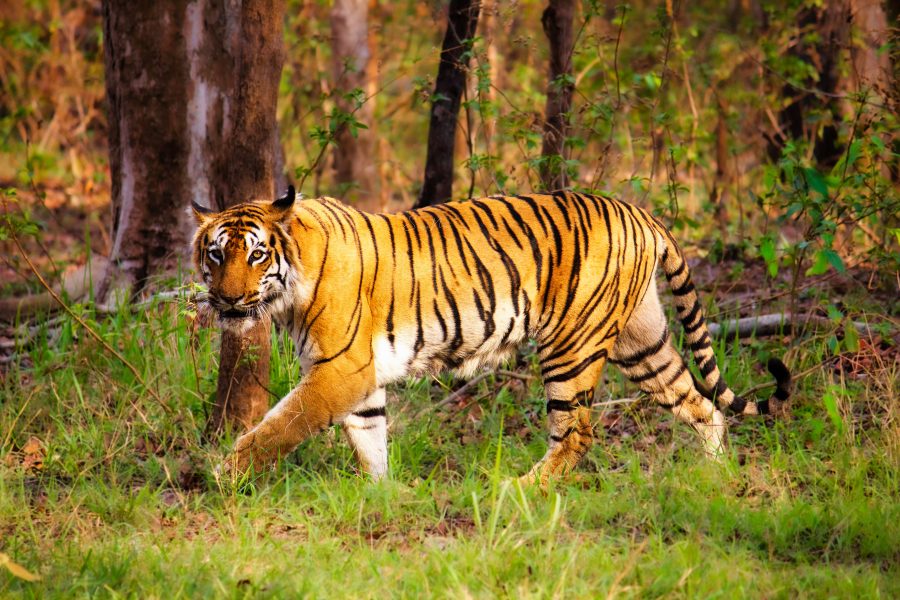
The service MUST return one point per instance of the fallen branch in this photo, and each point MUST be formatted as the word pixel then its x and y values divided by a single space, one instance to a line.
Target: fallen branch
pixel 75 285
pixel 777 323
pixel 159 297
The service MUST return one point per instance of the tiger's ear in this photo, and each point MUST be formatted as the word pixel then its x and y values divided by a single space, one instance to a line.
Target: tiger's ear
pixel 201 213
pixel 282 206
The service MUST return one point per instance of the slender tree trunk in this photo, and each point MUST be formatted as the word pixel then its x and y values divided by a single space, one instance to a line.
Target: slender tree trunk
pixel 724 173
pixel 558 22
pixel 242 138
pixel 192 89
pixel 830 23
pixel 354 153
pixel 462 22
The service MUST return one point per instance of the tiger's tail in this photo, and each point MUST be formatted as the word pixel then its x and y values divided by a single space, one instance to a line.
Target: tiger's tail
pixel 690 313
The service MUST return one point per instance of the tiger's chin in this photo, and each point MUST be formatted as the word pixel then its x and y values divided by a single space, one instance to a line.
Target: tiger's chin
pixel 238 321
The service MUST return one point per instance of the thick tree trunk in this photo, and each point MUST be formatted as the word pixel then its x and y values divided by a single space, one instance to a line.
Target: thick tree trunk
pixel 146 85
pixel 558 22
pixel 353 154
pixel 462 22
pixel 871 66
pixel 192 89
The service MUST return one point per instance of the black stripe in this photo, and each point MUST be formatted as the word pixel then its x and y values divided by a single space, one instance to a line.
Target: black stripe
pixel 649 374
pixel 560 405
pixel 720 387
pixel 738 404
pixel 678 271
pixel 681 398
pixel 707 366
pixel 371 413
pixel 702 343
pixel 560 438
pixel 689 318
pixel 634 359
pixel 441 322
pixel 683 290
pixel 577 369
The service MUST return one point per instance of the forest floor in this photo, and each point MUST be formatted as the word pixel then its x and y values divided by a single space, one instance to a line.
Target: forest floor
pixel 107 486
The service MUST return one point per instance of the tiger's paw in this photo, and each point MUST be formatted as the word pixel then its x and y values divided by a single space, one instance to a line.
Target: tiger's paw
pixel 246 455
pixel 536 477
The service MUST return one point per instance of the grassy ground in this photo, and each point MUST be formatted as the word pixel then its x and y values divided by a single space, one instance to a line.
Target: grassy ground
pixel 115 495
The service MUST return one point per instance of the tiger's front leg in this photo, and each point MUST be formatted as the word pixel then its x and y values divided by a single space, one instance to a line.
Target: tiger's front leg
pixel 327 395
pixel 366 430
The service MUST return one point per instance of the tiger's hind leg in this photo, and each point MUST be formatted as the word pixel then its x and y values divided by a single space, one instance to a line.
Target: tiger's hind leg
pixel 569 417
pixel 645 354
pixel 366 430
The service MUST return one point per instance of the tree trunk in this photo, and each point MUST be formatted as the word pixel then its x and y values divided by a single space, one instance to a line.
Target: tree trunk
pixel 462 21
pixel 192 89
pixel 146 85
pixel 558 20
pixel 354 151
pixel 241 135
pixel 724 173
pixel 871 67
pixel 830 22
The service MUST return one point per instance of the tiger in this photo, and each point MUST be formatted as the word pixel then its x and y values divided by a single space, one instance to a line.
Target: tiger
pixel 371 299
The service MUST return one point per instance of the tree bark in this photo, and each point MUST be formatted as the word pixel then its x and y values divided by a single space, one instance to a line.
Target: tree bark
pixel 558 22
pixel 241 57
pixel 354 164
pixel 146 84
pixel 871 68
pixel 192 90
pixel 462 21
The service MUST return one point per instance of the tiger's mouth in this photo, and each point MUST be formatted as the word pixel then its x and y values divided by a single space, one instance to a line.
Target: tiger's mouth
pixel 234 314
pixel 230 313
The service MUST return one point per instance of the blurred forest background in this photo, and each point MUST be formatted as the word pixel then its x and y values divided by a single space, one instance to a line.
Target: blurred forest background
pixel 764 129
pixel 764 133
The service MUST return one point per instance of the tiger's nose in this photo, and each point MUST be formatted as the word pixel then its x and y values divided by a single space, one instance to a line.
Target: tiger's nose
pixel 230 299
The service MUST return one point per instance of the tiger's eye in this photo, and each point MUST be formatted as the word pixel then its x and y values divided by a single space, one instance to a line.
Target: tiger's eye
pixel 216 255
pixel 257 254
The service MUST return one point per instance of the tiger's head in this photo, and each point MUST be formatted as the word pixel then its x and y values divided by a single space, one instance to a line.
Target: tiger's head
pixel 246 256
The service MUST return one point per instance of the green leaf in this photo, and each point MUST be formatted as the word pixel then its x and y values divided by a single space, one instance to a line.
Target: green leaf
pixel 767 252
pixel 816 181
pixel 824 259
pixel 831 408
pixel 847 160
pixel 834 259
pixel 851 336
pixel 834 313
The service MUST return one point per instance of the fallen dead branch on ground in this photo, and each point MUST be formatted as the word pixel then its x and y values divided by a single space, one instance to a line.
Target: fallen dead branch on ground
pixel 777 324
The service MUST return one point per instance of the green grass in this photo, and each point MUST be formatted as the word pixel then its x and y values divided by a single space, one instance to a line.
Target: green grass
pixel 125 503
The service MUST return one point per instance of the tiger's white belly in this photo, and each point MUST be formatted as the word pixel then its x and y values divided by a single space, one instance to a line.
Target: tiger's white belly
pixel 394 361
